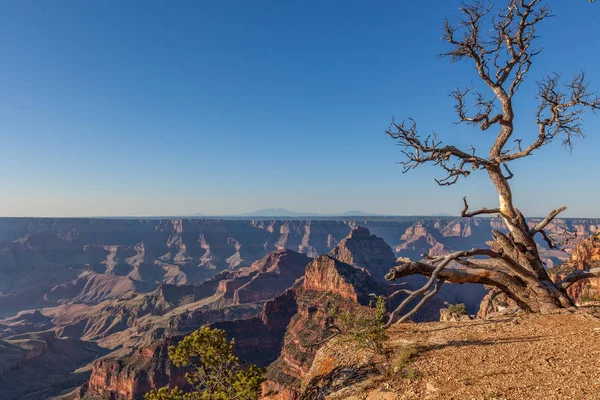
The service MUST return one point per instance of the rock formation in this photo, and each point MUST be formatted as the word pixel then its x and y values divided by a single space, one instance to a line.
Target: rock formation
pixel 131 377
pixel 585 256
pixel 45 261
pixel 329 286
pixel 364 250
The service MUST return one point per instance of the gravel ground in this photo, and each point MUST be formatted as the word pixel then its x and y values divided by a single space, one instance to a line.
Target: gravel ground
pixel 523 357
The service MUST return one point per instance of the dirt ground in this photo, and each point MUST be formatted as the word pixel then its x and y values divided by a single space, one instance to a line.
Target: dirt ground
pixel 524 357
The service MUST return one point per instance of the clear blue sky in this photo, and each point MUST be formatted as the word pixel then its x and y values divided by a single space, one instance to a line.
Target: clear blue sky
pixel 217 107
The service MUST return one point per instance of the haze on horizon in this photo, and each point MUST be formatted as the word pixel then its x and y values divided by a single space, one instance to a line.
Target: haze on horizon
pixel 219 108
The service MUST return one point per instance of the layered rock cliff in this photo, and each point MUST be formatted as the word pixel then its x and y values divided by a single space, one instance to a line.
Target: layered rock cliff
pixel 231 295
pixel 585 256
pixel 282 335
pixel 131 377
pixel 45 261
pixel 329 286
pixel 39 365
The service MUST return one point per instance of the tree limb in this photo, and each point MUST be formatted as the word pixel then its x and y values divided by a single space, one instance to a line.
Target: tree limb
pixel 484 107
pixel 575 276
pixel 427 296
pixel 435 272
pixel 420 151
pixel 466 214
pixel 509 172
pixel 539 227
pixel 554 244
pixel 559 113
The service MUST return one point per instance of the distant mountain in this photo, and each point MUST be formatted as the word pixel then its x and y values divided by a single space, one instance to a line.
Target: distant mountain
pixel 282 212
pixel 441 215
pixel 277 212
pixel 357 213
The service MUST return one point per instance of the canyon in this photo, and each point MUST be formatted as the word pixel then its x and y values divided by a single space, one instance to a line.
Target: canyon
pixel 111 294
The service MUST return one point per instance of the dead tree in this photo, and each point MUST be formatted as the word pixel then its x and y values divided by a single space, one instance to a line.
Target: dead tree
pixel 501 48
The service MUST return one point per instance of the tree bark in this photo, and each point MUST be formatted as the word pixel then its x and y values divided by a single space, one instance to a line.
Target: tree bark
pixel 529 293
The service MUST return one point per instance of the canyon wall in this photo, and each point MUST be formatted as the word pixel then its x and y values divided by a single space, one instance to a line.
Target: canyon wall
pixel 46 262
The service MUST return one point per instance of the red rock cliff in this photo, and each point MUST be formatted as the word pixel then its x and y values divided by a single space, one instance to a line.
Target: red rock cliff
pixel 132 377
pixel 585 256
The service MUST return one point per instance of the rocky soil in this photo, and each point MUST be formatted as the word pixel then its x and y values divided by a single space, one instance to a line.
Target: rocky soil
pixel 522 357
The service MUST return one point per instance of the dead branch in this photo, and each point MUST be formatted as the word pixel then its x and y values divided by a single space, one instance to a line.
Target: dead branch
pixel 509 172
pixel 555 244
pixel 420 151
pixel 509 47
pixel 559 113
pixel 484 109
pixel 429 294
pixel 434 275
pixel 466 214
pixel 576 276
pixel 423 290
pixel 539 227
pixel 398 292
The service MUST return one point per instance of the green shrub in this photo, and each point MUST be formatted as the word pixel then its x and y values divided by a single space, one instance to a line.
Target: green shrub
pixel 402 362
pixel 216 373
pixel 589 296
pixel 404 356
pixel 365 327
pixel 458 309
pixel 413 374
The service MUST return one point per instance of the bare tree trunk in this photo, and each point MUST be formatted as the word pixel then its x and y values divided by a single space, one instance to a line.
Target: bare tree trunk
pixel 502 57
pixel 531 294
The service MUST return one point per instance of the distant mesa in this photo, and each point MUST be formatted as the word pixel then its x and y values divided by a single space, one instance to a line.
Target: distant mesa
pixel 282 212
pixel 358 213
pixel 277 212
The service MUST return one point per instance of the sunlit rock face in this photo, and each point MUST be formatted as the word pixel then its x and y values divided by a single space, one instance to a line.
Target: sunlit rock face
pixel 585 256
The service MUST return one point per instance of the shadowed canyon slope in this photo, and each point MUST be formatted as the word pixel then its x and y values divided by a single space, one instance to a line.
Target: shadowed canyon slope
pixel 128 329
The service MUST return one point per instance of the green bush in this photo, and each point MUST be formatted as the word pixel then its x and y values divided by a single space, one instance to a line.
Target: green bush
pixel 216 373
pixel 589 296
pixel 404 357
pixel 458 309
pixel 365 327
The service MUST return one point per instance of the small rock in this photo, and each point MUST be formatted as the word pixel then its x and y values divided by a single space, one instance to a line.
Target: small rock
pixel 382 395
pixel 431 388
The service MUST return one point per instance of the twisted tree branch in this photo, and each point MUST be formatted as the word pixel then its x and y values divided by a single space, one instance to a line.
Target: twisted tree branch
pixel 466 214
pixel 576 276
pixel 420 151
pixel 553 214
pixel 435 272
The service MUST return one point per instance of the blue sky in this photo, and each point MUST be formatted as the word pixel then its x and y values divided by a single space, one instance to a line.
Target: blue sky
pixel 218 107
